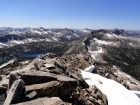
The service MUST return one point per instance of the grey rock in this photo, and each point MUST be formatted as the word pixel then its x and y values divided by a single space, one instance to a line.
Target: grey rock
pixel 15 92
pixel 49 89
pixel 4 85
pixel 36 77
pixel 2 99
pixel 56 71
pixel 14 76
pixel 43 69
pixel 89 96
pixel 31 95
pixel 3 90
pixel 46 56
pixel 138 95
pixel 44 101
pixel 72 72
pixel 2 77
pixel 61 87
pixel 60 65
pixel 49 66
pixel 7 64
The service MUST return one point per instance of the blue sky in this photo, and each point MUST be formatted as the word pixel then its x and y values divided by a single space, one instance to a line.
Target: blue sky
pixel 94 14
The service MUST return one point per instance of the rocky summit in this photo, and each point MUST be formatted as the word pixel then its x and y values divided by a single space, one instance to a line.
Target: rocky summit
pixel 47 80
pixel 92 70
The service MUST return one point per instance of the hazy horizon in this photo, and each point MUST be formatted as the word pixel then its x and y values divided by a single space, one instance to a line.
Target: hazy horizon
pixel 78 14
pixel 70 28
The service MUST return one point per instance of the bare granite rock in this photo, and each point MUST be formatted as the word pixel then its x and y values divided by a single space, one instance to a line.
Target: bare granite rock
pixel 15 92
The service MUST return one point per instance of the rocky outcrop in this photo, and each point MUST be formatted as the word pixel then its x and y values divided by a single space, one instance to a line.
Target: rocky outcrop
pixel 76 60
pixel 74 73
pixel 48 77
pixel 50 89
pixel 55 79
pixel 3 84
pixel 116 74
pixel 53 88
pixel 89 96
pixel 15 92
pixel 2 99
pixel 3 90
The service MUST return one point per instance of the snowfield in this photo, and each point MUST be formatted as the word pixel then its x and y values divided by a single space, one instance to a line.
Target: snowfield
pixel 102 41
pixel 111 35
pixel 116 93
pixel 90 69
pixel 137 93
pixel 95 54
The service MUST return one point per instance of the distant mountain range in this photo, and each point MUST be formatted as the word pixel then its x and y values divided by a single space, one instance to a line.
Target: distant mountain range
pixel 110 60
pixel 134 33
pixel 13 36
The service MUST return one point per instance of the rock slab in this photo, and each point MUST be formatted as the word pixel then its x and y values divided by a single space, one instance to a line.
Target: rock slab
pixel 15 92
pixel 44 101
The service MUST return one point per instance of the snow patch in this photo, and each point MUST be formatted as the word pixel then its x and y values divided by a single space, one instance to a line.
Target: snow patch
pixel 109 35
pixel 17 42
pixel 137 93
pixel 102 41
pixel 48 40
pixel 116 93
pixel 45 32
pixel 35 31
pixel 90 69
pixel 54 38
pixel 95 54
pixel 75 35
pixel 86 30
pixel 30 40
pixel 69 37
pixel 2 44
pixel 130 44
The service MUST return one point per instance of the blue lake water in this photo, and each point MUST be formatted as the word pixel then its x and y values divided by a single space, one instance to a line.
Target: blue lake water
pixel 34 55
pixel 5 59
pixel 29 55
